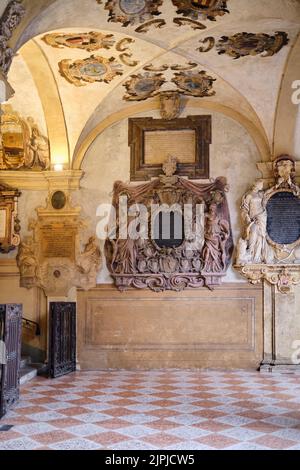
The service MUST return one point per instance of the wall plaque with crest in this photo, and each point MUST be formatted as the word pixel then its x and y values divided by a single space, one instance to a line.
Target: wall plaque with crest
pixel 184 233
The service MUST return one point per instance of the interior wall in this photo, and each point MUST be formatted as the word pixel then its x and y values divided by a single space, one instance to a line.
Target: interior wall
pixel 26 100
pixel 145 329
pixel 233 154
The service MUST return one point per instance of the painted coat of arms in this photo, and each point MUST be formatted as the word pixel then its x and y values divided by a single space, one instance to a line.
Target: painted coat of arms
pixel 91 41
pixel 195 83
pixel 130 12
pixel 90 70
pixel 143 86
pixel 201 9
pixel 243 44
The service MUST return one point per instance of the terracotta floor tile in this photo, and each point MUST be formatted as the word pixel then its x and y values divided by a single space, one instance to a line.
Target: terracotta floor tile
pixel 261 426
pixel 65 423
pixel 114 423
pixel 162 425
pixel 74 411
pixel 213 426
pixel 209 413
pixel 118 412
pixel 253 414
pixel 43 401
pixel 206 404
pixel 162 439
pixel 108 438
pixel 166 395
pixel 166 403
pixel 84 401
pixel 31 410
pixel 53 436
pixel 123 402
pixel 9 435
pixel 161 413
pixel 242 396
pixel 247 404
pixel 275 442
pixel 218 441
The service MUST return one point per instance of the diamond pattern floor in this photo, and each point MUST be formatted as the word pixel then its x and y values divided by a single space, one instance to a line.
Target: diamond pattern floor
pixel 185 410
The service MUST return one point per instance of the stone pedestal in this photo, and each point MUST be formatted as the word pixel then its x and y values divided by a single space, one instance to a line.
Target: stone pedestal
pixel 281 330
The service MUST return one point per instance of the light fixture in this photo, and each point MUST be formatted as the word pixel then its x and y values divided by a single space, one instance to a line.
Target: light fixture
pixel 58 167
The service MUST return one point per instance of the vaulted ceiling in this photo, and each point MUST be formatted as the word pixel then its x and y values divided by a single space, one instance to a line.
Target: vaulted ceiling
pixel 247 88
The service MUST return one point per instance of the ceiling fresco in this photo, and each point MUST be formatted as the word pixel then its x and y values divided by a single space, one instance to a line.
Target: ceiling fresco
pixel 144 13
pixel 123 51
pixel 92 41
pixel 90 70
pixel 94 68
pixel 244 44
pixel 188 81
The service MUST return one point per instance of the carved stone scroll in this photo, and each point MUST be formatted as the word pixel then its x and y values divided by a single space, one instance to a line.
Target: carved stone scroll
pixel 269 247
pixel 197 256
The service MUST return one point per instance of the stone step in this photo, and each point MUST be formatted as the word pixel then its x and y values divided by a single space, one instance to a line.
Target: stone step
pixel 25 361
pixel 27 374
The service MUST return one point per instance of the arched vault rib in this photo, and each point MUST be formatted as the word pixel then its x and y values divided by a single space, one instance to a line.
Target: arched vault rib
pixel 48 91
pixel 151 105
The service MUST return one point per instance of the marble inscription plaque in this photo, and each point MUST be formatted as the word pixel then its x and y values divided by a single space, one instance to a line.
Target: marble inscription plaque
pixel 160 144
pixel 283 224
pixel 2 223
pixel 58 242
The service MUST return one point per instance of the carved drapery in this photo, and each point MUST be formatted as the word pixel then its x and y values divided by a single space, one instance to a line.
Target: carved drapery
pixel 269 248
pixel 199 259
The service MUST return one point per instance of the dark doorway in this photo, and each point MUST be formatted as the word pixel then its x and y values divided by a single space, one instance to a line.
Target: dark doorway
pixel 62 341
pixel 10 336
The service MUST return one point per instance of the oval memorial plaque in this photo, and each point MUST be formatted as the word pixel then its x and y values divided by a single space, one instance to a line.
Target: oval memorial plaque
pixel 58 200
pixel 283 223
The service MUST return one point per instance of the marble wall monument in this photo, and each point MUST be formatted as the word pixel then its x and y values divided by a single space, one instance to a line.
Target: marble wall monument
pixel 270 244
pixel 194 258
pixel 54 258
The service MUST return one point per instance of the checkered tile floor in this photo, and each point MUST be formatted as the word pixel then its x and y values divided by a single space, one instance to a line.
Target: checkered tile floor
pixel 187 410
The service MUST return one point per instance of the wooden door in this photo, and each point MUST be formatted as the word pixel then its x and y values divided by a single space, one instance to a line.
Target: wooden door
pixel 62 351
pixel 10 335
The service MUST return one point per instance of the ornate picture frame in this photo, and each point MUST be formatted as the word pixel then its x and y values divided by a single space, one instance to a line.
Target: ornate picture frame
pixel 195 166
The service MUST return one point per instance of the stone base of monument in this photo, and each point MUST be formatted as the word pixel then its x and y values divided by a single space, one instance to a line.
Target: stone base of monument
pixel 276 367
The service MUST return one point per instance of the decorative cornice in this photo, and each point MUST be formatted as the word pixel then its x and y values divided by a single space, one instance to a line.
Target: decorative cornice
pixel 267 171
pixel 284 277
pixel 43 180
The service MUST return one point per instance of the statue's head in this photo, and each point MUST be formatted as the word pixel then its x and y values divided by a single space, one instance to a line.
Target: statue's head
pixel 284 167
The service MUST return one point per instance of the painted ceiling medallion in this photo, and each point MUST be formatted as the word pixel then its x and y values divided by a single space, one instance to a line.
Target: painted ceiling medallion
pixel 201 9
pixel 91 41
pixel 130 12
pixel 197 84
pixel 143 86
pixel 92 69
pixel 243 44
